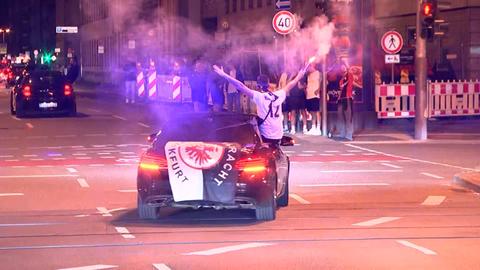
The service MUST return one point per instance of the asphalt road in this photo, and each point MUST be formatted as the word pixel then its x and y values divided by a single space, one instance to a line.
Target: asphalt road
pixel 68 201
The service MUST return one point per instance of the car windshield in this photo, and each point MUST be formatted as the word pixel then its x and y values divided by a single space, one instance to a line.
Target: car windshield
pixel 209 129
pixel 47 78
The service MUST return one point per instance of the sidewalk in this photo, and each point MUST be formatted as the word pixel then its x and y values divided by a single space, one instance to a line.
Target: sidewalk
pixel 470 180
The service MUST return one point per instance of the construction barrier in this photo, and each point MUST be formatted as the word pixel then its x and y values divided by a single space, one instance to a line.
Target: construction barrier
pixel 140 83
pixel 176 88
pixel 454 98
pixel 395 100
pixel 444 99
pixel 152 83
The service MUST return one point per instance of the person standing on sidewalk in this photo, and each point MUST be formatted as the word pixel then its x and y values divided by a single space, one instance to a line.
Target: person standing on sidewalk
pixel 130 71
pixel 216 89
pixel 73 70
pixel 198 83
pixel 345 104
pixel 233 97
pixel 313 99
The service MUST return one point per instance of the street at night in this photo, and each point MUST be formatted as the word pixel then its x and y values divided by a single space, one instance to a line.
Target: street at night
pixel 68 199
pixel 239 134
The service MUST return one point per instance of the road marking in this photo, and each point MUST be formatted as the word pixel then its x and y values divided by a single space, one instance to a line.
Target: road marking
pixel 331 151
pixel 55 155
pixel 91 267
pixel 326 155
pixel 119 117
pixel 124 164
pixel 376 221
pixel 354 151
pixel 345 185
pixel 93 110
pixel 30 155
pixel 65 136
pixel 6 156
pixel 127 153
pixel 83 215
pixel 305 155
pixel 161 266
pixel 59 158
pixel 79 154
pixel 410 159
pixel 10 194
pixel 309 151
pixel 95 135
pixel 360 171
pixel 83 158
pixel 83 183
pixel 431 175
pixel 29 125
pixel 29 224
pixel 37 137
pixel 338 161
pixel 124 232
pixel 44 166
pixel 391 165
pixel 11 160
pixel 434 200
pixel 108 213
pixel 104 153
pixel 15 118
pixel 347 155
pixel 107 157
pixel 369 154
pixel 360 161
pixel 18 167
pixel 298 198
pixel 419 248
pixel 127 190
pixel 37 176
pixel 221 250
pixel 96 165
pixel 143 125
pixel 37 159
pixel 100 146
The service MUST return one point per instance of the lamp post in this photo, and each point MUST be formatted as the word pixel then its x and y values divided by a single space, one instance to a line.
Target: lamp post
pixel 4 31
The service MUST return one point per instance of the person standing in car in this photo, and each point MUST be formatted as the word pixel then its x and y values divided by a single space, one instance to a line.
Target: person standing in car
pixel 198 83
pixel 73 70
pixel 268 103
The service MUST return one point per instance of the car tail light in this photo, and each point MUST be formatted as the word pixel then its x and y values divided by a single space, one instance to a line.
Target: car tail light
pixel 151 162
pixel 27 91
pixel 67 90
pixel 10 75
pixel 252 167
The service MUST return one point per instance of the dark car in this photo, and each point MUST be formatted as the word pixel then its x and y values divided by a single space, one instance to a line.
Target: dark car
pixel 217 161
pixel 42 92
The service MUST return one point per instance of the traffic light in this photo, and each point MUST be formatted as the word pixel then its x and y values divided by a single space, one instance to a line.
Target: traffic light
pixel 46 58
pixel 429 13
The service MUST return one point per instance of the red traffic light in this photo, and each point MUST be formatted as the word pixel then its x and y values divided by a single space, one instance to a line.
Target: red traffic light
pixel 427 9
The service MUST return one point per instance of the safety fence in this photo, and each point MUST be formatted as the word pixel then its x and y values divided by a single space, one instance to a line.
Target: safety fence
pixel 444 99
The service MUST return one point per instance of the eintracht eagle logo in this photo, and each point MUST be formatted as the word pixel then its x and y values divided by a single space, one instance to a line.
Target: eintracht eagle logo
pixel 201 155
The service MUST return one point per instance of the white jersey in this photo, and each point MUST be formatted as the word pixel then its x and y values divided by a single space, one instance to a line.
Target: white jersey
pixel 272 127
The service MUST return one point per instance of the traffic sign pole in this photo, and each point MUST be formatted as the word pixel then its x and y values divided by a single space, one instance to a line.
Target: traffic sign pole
pixel 420 80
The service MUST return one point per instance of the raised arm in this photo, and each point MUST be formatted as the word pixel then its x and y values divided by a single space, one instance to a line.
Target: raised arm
pixel 297 78
pixel 236 83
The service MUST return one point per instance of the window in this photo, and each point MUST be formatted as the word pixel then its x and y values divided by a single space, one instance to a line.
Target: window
pixel 234 6
pixel 227 6
pixel 259 3
pixel 242 4
pixel 250 4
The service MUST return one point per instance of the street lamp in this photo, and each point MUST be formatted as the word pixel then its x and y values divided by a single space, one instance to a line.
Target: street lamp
pixel 4 31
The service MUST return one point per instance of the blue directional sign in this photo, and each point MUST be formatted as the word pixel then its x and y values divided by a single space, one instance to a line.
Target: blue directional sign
pixel 283 4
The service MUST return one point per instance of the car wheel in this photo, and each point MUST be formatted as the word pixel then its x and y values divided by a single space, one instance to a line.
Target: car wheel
pixel 266 208
pixel 146 211
pixel 12 110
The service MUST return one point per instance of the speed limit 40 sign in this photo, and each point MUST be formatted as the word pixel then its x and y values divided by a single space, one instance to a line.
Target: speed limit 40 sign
pixel 283 22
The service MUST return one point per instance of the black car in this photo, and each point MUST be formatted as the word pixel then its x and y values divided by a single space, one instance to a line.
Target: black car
pixel 42 92
pixel 212 160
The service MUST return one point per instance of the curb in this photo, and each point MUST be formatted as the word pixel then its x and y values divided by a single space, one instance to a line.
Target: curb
pixel 470 180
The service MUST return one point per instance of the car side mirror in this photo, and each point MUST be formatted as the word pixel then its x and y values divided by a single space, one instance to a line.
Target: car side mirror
pixel 287 141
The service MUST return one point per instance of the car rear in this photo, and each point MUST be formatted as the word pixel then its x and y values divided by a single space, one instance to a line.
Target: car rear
pixel 243 176
pixel 46 92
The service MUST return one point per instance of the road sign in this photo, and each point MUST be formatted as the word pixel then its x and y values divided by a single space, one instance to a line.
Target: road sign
pixel 283 22
pixel 66 29
pixel 101 49
pixel 392 42
pixel 392 59
pixel 283 4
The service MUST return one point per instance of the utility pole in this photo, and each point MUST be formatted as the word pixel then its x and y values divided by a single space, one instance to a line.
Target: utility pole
pixel 323 98
pixel 421 112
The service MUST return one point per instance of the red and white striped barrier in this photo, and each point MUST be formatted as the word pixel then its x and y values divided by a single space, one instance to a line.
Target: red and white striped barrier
pixel 454 98
pixel 152 83
pixel 395 100
pixel 176 88
pixel 140 83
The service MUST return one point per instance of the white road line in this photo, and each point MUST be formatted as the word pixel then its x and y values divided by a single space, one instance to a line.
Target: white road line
pixel 107 157
pixel 36 137
pixel 298 198
pixel 93 110
pixel 431 175
pixel 161 266
pixel 10 194
pixel 360 171
pixel 100 145
pixel 119 117
pixel 91 267
pixel 104 153
pixel 54 155
pixel 309 151
pixel 123 164
pixel 127 190
pixel 338 161
pixel 131 153
pixel 44 166
pixel 331 151
pixel 221 250
pixel 391 165
pixel 59 158
pixel 17 167
pixel 28 224
pixel 354 151
pixel 326 155
pixel 108 213
pixel 143 125
pixel 96 165
pixel 83 158
pixel 95 135
pixel 411 159
pixel 419 248
pixel 347 155
pixel 65 136
pixel 360 161
pixel 6 156
pixel 83 183
pixel 29 125
pixel 434 200
pixel 124 232
pixel 72 170
pixel 374 222
pixel 83 215
pixel 37 159
pixel 345 185
pixel 369 154
pixel 305 155
pixel 37 176
pixel 30 155
pixel 79 154
pixel 15 118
